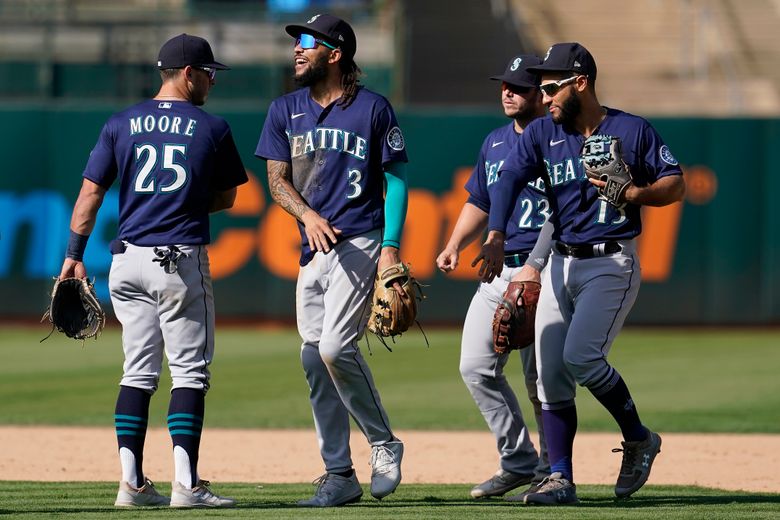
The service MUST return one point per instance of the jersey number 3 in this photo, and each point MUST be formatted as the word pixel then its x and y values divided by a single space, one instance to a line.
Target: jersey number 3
pixel 146 178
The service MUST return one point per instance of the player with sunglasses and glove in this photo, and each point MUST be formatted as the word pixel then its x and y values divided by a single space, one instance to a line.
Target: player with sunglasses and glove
pixel 599 166
pixel 333 148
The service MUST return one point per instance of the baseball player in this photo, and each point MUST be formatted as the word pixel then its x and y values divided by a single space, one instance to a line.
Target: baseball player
pixel 332 147
pixel 481 367
pixel 594 270
pixel 174 164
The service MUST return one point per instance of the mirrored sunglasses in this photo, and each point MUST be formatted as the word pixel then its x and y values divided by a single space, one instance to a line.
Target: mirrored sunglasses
pixel 210 71
pixel 550 89
pixel 307 41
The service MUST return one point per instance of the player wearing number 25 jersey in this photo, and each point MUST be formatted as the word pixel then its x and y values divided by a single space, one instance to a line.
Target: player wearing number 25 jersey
pixel 173 164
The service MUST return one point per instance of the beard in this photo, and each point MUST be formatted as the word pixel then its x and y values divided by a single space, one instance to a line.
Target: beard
pixel 317 71
pixel 569 110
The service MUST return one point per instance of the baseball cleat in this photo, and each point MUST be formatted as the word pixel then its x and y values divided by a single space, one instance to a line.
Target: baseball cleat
pixel 146 495
pixel 199 496
pixel 553 491
pixel 533 488
pixel 638 459
pixel 334 490
pixel 386 468
pixel 499 484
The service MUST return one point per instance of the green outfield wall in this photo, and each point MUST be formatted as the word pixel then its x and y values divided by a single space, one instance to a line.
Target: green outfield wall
pixel 714 259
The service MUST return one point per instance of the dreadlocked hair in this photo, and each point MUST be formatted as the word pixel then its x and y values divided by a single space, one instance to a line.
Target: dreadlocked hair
pixel 350 79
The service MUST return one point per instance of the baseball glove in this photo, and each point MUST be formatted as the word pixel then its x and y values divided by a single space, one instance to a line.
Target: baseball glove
pixel 602 159
pixel 74 309
pixel 390 313
pixel 513 321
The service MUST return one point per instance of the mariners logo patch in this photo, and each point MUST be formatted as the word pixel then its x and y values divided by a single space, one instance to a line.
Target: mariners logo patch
pixel 311 20
pixel 516 64
pixel 667 156
pixel 395 139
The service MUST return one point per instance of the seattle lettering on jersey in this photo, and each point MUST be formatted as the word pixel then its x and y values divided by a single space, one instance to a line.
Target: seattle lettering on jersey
pixel 491 171
pixel 328 139
pixel 163 124
pixel 565 171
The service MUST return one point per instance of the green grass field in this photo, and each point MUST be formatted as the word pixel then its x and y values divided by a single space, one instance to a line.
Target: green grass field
pixel 682 381
pixel 94 500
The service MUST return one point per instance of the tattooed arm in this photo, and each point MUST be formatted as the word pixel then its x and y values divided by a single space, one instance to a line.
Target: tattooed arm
pixel 319 232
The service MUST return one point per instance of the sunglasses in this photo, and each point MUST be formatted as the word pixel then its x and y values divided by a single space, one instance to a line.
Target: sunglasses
pixel 210 71
pixel 550 89
pixel 307 41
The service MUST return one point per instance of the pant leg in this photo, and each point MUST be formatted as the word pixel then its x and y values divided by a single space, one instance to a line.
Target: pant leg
pixel 331 419
pixel 482 371
pixel 350 276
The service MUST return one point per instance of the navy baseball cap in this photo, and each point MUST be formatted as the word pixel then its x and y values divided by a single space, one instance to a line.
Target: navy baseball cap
pixel 568 57
pixel 517 72
pixel 330 28
pixel 186 49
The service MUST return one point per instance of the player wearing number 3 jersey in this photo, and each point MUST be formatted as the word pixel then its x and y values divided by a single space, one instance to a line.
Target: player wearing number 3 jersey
pixel 173 164
pixel 594 270
pixel 332 147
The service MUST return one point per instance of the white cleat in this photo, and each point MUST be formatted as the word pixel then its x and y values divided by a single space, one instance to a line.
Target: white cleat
pixel 199 496
pixel 386 468
pixel 146 495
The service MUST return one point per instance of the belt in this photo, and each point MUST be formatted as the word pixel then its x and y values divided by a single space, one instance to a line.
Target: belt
pixel 515 259
pixel 588 250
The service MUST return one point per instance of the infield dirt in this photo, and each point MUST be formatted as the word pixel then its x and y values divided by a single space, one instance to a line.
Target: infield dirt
pixel 725 461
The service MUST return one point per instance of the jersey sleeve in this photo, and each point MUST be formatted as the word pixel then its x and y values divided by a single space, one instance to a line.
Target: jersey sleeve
pixel 230 168
pixel 393 143
pixel 657 159
pixel 521 166
pixel 476 184
pixel 101 166
pixel 274 143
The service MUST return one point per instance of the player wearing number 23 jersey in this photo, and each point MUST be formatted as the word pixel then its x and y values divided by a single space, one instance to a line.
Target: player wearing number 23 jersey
pixel 594 272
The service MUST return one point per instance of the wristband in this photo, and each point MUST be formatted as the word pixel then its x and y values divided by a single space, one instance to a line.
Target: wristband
pixel 76 246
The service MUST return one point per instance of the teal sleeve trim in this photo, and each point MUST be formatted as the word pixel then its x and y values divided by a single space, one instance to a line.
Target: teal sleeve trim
pixel 396 203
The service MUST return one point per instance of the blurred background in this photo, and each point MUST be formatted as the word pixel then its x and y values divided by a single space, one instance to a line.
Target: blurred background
pixel 704 72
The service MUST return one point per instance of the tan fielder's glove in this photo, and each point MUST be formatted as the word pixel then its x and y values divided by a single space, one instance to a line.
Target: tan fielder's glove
pixel 513 321
pixel 392 314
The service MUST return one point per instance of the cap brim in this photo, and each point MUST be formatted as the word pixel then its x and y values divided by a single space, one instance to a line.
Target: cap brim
pixel 296 30
pixel 511 81
pixel 216 65
pixel 539 69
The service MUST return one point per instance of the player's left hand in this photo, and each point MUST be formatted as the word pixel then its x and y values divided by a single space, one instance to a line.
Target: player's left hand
pixel 389 256
pixel 492 257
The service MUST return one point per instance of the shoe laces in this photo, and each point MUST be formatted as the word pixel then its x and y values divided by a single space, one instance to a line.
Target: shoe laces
pixel 630 452
pixel 202 489
pixel 322 484
pixel 381 457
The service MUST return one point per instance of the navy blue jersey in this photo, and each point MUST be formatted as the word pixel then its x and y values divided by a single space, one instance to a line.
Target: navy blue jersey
pixel 552 152
pixel 170 157
pixel 532 209
pixel 337 156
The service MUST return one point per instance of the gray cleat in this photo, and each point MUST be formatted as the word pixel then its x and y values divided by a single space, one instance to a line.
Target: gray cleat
pixel 638 459
pixel 334 490
pixel 553 491
pixel 533 488
pixel 386 468
pixel 499 484
pixel 146 495
pixel 198 496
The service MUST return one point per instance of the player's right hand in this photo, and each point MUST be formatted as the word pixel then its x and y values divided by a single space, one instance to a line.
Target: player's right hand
pixel 447 260
pixel 72 269
pixel 320 234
